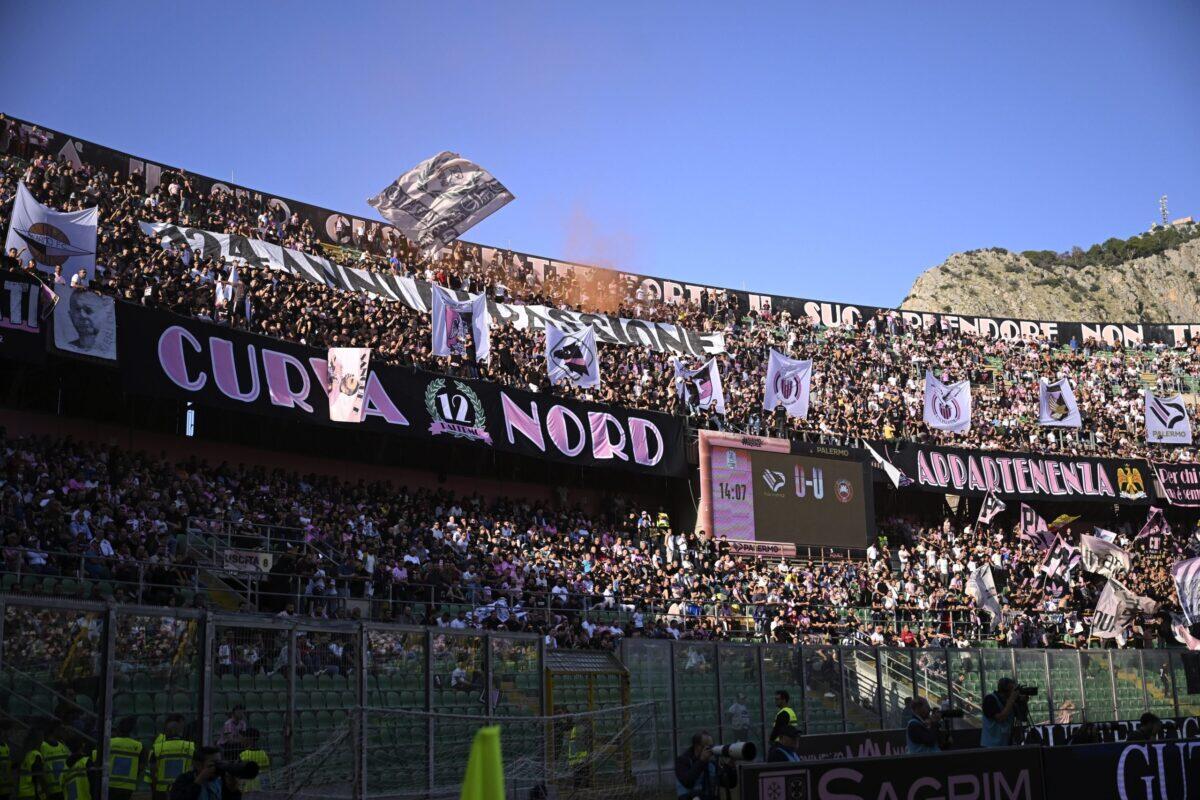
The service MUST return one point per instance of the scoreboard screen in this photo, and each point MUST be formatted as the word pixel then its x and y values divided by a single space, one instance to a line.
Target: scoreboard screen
pixel 801 499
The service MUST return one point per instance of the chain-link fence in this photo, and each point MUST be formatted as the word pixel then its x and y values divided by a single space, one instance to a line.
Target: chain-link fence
pixel 339 708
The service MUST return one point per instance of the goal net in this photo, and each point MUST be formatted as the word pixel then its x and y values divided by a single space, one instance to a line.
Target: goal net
pixel 611 753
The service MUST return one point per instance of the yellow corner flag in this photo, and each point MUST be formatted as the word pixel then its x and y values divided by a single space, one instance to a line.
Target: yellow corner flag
pixel 485 769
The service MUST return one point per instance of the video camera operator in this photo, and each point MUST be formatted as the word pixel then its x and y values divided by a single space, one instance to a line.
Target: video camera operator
pixel 210 779
pixel 921 733
pixel 699 774
pixel 999 710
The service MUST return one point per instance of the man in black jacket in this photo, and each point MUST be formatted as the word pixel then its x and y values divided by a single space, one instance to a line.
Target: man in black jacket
pixel 204 782
pixel 698 773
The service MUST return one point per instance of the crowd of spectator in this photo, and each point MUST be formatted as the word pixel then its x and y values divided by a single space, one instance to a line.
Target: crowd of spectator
pixel 868 377
pixel 98 515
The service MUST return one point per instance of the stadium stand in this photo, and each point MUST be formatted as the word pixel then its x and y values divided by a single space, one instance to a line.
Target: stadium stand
pixel 403 607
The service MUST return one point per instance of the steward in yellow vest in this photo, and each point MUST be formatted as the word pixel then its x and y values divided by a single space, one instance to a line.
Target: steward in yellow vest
pixel 76 783
pixel 6 776
pixel 784 717
pixel 54 754
pixel 124 755
pixel 258 756
pixel 31 777
pixel 170 757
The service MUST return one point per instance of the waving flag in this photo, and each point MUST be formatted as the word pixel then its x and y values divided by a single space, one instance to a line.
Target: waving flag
pixel 982 586
pixel 1033 528
pixel 450 324
pixel 1116 610
pixel 992 506
pixel 788 383
pixel 1156 525
pixel 1056 404
pixel 52 238
pixel 894 473
pixel 1167 420
pixel 571 357
pixel 1104 558
pixel 700 388
pixel 440 199
pixel 1186 575
pixel 947 407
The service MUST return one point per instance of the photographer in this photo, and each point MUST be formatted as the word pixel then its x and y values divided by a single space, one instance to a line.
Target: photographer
pixel 1150 728
pixel 921 733
pixel 698 774
pixel 999 708
pixel 208 780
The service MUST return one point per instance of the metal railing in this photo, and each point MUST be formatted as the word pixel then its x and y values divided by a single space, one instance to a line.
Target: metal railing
pixel 299 680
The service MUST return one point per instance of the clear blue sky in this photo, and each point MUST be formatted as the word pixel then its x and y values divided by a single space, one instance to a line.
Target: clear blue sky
pixel 828 150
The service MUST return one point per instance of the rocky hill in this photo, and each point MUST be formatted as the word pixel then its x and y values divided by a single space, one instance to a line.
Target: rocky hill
pixel 1147 278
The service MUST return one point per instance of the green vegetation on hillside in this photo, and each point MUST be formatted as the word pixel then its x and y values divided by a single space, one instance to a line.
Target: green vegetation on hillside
pixel 1116 251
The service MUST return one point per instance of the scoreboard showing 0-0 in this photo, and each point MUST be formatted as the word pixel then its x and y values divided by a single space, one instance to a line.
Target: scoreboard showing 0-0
pixel 753 491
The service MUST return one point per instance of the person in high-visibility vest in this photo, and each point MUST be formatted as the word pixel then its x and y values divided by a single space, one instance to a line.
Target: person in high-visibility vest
pixel 785 717
pixel 6 776
pixel 55 753
pixel 256 755
pixel 124 754
pixel 577 751
pixel 31 777
pixel 170 757
pixel 77 784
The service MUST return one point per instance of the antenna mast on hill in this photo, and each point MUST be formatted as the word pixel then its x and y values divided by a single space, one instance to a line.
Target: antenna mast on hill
pixel 1162 207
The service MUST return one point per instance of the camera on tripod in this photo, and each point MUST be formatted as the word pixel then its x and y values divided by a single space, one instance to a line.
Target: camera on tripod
pixel 1027 691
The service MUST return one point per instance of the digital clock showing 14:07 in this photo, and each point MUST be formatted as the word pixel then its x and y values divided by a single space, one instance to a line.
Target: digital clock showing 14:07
pixel 731 491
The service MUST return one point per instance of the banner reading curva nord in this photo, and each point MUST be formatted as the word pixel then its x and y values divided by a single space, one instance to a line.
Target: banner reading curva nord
pixel 171 356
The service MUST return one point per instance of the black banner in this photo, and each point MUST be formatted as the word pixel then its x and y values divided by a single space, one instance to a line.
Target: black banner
pixel 1179 484
pixel 22 329
pixel 1026 476
pixel 374 235
pixel 1160 770
pixel 171 356
pixel 1013 773
pixel 881 743
pixel 870 744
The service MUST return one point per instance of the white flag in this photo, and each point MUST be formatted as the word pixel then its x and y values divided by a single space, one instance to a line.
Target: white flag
pixel 348 369
pixel 1167 420
pixel 788 382
pixel 572 357
pixel 894 473
pixel 450 324
pixel 947 407
pixel 1056 404
pixel 1116 610
pixel 440 199
pixel 982 586
pixel 1104 558
pixel 1186 575
pixel 52 238
pixel 1183 633
pixel 701 387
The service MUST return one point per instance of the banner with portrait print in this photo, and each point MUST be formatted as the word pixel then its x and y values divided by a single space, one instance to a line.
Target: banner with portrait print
pixel 85 323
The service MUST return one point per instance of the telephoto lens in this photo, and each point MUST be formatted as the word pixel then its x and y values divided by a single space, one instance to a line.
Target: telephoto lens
pixel 738 751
